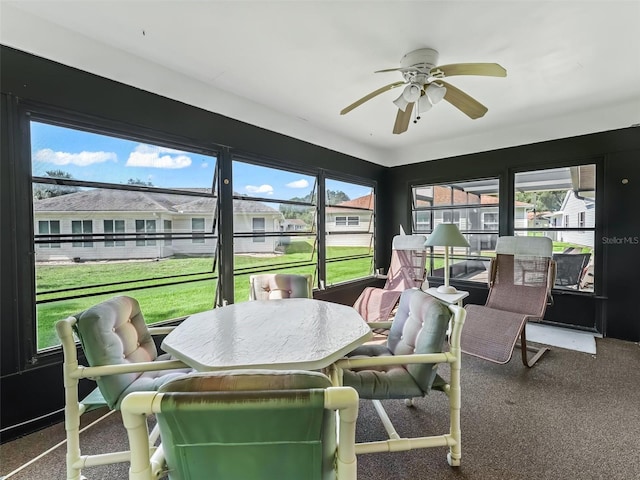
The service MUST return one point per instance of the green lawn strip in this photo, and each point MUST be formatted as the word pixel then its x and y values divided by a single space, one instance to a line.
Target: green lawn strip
pixel 165 302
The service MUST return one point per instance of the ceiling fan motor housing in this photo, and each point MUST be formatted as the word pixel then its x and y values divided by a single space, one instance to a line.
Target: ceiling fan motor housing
pixel 423 60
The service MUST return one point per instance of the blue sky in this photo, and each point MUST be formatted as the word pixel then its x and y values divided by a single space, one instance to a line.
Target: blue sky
pixel 100 158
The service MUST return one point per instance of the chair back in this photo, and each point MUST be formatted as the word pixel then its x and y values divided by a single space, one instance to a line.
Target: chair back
pixel 114 333
pixel 420 326
pixel 521 275
pixel 247 425
pixel 407 267
pixel 406 270
pixel 570 268
pixel 270 286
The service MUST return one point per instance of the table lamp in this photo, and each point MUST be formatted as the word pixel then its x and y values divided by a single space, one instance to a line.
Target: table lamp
pixel 446 235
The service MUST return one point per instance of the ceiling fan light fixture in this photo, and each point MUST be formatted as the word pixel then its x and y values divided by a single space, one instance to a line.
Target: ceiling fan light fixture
pixel 412 92
pixel 435 92
pixel 424 104
pixel 401 103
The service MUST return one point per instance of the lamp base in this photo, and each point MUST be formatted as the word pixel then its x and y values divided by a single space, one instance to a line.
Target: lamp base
pixel 446 289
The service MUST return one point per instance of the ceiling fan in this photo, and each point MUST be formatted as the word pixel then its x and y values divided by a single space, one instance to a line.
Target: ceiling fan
pixel 425 86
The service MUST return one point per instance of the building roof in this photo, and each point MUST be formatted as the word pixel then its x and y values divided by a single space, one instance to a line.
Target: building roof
pixel 108 200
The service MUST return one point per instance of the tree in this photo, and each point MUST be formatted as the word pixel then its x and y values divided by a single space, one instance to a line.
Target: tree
pixel 546 201
pixel 336 196
pixel 298 211
pixel 46 190
pixel 137 181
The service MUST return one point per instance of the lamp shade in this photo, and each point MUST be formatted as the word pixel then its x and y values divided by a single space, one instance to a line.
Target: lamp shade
pixel 446 235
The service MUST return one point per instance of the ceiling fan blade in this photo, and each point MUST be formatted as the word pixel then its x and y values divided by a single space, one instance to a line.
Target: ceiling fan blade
pixel 483 69
pixel 402 119
pixel 463 102
pixel 370 96
pixel 388 70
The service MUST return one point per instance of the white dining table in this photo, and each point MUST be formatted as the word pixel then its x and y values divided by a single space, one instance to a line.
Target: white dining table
pixel 292 333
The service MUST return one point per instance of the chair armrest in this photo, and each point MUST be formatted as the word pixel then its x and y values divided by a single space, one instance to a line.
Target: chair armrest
pixel 381 325
pixel 348 363
pixel 161 330
pixel 93 372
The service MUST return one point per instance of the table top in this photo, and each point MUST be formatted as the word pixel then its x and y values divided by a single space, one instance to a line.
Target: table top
pixel 292 333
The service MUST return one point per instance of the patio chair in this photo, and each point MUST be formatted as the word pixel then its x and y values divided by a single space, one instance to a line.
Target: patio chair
pixel 268 286
pixel 520 280
pixel 405 368
pixel 407 270
pixel 122 358
pixel 570 268
pixel 245 425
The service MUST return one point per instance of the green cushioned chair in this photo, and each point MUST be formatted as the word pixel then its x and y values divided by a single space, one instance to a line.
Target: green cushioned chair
pixel 245 425
pixel 405 367
pixel 122 358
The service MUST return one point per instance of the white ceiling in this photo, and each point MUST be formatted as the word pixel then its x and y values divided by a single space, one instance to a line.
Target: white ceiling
pixel 291 66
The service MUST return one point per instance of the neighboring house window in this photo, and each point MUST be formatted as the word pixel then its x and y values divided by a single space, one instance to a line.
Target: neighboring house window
pixel 473 207
pixel 144 227
pixel 348 221
pixel 113 226
pixel 168 227
pixel 567 193
pixel 490 220
pixel 84 227
pixel 258 227
pixel 48 227
pixel 197 229
pixel 451 217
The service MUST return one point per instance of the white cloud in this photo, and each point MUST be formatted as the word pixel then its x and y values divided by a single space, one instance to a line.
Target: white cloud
pixel 81 159
pixel 268 189
pixel 150 156
pixel 204 165
pixel 298 184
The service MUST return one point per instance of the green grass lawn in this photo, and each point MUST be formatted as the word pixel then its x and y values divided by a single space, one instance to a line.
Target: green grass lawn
pixel 158 286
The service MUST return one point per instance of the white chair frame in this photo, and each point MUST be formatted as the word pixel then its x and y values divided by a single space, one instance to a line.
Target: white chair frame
pixel 73 409
pixel 453 357
pixel 147 463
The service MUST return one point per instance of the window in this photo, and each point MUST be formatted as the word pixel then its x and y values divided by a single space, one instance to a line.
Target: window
pixel 167 228
pixel 142 187
pixel 274 222
pixel 490 221
pixel 46 227
pixel 349 220
pixel 142 227
pixel 551 198
pixel 113 226
pixel 258 226
pixel 581 219
pixel 197 226
pixel 82 226
pixel 473 207
pixel 449 216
